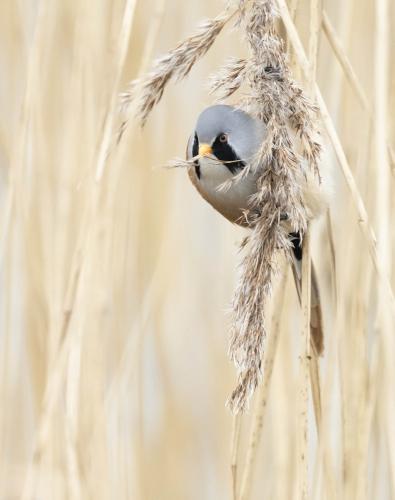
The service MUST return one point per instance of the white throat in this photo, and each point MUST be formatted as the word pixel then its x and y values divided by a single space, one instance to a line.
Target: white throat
pixel 213 173
pixel 230 202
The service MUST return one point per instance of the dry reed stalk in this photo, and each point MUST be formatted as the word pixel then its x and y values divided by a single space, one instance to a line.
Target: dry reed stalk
pixel 130 362
pixel 384 284
pixel 304 371
pixel 354 405
pixel 293 6
pixel 315 378
pixel 351 76
pixel 16 203
pixel 384 318
pixel 262 395
pixel 20 139
pixel 121 51
pixel 315 30
pixel 341 56
pixel 68 353
pixel 331 241
pixel 324 452
pixel 363 219
pixel 312 356
pixel 380 128
pixel 234 451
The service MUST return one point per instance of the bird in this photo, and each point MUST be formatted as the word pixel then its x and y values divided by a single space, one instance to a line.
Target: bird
pixel 224 143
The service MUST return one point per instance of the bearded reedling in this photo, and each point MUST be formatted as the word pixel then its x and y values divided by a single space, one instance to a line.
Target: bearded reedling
pixel 222 147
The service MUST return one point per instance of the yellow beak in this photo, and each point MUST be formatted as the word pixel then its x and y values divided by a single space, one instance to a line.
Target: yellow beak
pixel 205 150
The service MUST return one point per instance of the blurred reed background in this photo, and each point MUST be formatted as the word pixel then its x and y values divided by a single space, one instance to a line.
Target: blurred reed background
pixel 115 275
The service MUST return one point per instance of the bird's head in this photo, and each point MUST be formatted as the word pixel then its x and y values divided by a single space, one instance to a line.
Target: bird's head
pixel 227 134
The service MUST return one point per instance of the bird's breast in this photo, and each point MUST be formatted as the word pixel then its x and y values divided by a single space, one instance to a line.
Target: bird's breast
pixel 230 201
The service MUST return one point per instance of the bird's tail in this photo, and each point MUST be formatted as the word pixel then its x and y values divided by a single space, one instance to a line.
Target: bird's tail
pixel 316 323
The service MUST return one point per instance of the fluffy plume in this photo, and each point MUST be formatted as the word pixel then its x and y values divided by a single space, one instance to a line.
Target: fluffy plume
pixel 229 78
pixel 277 100
pixel 272 96
pixel 177 63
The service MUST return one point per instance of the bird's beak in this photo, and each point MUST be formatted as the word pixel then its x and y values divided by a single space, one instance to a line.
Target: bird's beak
pixel 205 150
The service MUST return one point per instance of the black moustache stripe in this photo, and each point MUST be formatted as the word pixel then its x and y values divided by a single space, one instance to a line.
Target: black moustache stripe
pixel 221 150
pixel 195 152
pixel 225 153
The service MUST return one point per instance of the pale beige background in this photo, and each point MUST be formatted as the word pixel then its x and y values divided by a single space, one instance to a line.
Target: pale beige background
pixel 113 294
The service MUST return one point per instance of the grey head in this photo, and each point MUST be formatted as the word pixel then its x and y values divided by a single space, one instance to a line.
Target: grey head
pixel 228 133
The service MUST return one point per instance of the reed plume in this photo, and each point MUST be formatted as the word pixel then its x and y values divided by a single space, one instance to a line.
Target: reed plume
pixel 278 101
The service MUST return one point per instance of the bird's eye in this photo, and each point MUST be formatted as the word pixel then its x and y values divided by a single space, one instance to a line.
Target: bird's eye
pixel 223 138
